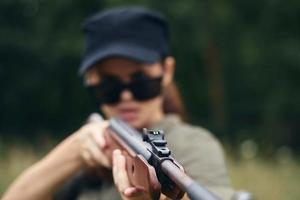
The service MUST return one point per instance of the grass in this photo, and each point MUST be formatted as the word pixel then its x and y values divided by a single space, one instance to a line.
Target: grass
pixel 265 179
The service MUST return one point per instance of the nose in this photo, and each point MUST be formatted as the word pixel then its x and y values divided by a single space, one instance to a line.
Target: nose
pixel 126 95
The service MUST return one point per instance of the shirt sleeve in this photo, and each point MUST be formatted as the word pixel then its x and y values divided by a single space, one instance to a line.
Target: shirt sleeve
pixel 76 185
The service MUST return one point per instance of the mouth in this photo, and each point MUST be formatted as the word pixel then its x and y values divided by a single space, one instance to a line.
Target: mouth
pixel 128 114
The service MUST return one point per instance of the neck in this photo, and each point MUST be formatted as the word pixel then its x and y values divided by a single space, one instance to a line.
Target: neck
pixel 156 118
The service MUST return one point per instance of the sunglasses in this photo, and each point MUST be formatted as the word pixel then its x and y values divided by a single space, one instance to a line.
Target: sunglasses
pixel 142 87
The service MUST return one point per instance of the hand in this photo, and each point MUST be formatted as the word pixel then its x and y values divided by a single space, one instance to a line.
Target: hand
pixel 92 144
pixel 121 180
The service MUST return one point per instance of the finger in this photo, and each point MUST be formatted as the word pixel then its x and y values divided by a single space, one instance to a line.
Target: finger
pixel 132 192
pixel 91 138
pixel 97 134
pixel 115 167
pixel 136 193
pixel 97 155
pixel 91 153
pixel 119 171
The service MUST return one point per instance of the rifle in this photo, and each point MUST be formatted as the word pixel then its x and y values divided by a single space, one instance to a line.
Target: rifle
pixel 149 163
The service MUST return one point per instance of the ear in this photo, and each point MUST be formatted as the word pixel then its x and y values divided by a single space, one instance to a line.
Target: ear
pixel 169 68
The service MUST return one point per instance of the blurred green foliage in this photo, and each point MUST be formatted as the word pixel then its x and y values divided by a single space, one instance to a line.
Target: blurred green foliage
pixel 242 60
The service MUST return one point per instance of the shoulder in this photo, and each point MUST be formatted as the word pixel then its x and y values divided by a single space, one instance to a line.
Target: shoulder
pixel 196 142
pixel 183 135
pixel 199 152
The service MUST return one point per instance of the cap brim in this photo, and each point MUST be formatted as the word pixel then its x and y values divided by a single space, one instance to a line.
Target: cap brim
pixel 119 50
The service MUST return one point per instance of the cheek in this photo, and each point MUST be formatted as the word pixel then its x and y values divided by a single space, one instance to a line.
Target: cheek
pixel 150 109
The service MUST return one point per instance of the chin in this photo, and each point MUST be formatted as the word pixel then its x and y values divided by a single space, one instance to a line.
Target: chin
pixel 136 124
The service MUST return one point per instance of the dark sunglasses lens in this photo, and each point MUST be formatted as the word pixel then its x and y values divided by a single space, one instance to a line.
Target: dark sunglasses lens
pixel 107 92
pixel 146 88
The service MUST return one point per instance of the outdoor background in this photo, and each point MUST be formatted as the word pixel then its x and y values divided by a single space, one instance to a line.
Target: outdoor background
pixel 238 65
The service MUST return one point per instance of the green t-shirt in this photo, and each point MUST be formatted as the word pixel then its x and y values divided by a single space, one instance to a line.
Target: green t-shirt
pixel 195 148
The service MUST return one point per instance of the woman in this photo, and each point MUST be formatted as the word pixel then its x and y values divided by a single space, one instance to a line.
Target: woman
pixel 128 69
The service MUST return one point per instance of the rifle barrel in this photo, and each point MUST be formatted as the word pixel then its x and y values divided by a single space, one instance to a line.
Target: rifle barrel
pixel 193 189
pixel 134 141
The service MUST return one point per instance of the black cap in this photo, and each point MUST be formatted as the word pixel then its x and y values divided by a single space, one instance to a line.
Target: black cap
pixel 130 32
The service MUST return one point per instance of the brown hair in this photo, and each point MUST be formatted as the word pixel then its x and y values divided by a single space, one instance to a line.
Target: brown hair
pixel 172 101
